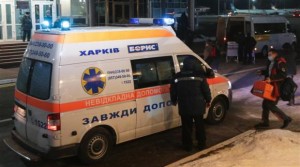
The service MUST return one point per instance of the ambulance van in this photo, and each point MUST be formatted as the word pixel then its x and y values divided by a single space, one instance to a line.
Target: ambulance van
pixel 81 91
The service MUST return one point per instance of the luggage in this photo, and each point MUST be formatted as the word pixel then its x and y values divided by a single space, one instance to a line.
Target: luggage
pixel 288 89
pixel 263 90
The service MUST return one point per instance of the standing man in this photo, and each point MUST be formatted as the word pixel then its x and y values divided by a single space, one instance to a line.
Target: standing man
pixel 190 89
pixel 275 74
pixel 182 27
pixel 290 56
pixel 250 43
pixel 241 42
pixel 26 26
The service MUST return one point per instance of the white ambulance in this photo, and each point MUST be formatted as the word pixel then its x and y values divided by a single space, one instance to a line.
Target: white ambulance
pixel 268 30
pixel 81 91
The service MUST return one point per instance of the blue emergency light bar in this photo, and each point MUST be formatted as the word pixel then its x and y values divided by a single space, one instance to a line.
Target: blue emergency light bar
pixel 156 21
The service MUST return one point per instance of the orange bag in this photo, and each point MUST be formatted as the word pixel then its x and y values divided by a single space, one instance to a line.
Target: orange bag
pixel 264 90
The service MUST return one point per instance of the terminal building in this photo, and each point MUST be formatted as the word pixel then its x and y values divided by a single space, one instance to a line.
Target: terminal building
pixel 80 12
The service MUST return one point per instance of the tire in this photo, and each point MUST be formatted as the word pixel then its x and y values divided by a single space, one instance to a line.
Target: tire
pixel 95 145
pixel 264 51
pixel 217 111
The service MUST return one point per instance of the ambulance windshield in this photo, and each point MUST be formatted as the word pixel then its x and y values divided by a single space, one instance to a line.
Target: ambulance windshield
pixel 34 78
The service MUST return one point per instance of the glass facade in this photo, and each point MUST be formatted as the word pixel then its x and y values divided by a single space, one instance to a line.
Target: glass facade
pixel 161 8
pixel 81 12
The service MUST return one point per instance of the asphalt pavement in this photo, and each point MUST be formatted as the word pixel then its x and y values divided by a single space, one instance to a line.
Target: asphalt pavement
pixel 164 148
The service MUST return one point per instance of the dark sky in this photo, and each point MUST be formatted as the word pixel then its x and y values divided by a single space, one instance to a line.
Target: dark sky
pixel 243 4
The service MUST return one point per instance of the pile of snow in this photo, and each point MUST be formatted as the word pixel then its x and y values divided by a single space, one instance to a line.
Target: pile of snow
pixel 272 148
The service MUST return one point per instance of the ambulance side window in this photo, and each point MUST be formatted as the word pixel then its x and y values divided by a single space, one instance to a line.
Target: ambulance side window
pixel 181 58
pixel 152 71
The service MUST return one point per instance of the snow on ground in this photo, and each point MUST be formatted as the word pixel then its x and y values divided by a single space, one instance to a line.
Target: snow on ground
pixel 271 148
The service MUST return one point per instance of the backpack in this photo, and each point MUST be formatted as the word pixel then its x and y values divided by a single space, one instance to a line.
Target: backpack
pixel 288 89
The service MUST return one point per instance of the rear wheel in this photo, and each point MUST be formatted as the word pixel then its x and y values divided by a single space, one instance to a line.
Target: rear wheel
pixel 217 111
pixel 95 145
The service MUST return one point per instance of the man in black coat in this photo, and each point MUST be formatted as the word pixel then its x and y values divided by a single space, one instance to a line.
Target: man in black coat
pixel 26 26
pixel 250 43
pixel 190 89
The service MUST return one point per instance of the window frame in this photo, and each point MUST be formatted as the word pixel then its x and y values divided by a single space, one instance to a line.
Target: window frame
pixel 29 79
pixel 155 61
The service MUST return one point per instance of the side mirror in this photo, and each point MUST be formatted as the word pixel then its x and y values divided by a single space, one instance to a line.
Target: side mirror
pixel 210 73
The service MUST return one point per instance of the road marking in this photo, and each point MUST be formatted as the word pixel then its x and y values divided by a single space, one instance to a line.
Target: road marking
pixel 244 71
pixel 7 81
pixel 5 120
pixel 7 85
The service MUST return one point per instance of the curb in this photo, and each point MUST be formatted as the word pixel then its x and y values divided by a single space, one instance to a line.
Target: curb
pixel 244 71
pixel 8 81
pixel 211 149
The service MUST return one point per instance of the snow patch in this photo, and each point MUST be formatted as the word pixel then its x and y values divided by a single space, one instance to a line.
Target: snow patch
pixel 271 148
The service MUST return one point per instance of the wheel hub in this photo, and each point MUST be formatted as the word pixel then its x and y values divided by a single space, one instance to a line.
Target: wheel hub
pixel 97 147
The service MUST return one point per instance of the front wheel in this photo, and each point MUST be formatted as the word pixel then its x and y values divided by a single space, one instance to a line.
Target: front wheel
pixel 217 111
pixel 95 145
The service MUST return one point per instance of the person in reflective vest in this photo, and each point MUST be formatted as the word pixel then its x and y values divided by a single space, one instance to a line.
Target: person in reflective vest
pixel 190 90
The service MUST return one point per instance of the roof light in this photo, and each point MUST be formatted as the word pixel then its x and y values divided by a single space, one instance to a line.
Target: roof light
pixel 163 21
pixel 157 21
pixel 46 25
pixel 134 21
pixel 169 21
pixel 65 25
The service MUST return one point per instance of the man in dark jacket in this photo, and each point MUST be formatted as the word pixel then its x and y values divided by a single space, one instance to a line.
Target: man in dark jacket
pixel 250 43
pixel 26 26
pixel 241 44
pixel 274 74
pixel 290 56
pixel 190 89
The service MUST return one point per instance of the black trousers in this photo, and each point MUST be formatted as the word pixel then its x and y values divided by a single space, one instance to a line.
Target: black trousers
pixel 187 130
pixel 26 34
pixel 248 56
pixel 241 53
pixel 268 106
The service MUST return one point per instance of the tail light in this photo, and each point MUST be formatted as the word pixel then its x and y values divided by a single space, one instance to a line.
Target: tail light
pixel 20 110
pixel 53 122
pixel 225 39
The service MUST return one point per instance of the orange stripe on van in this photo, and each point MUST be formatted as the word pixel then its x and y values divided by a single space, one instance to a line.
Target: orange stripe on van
pixel 20 96
pixel 96 102
pixel 101 101
pixel 216 80
pixel 116 35
pixel 41 104
pixel 152 91
pixel 102 36
pixel 49 37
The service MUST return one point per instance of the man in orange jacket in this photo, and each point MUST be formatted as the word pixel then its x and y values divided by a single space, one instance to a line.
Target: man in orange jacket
pixel 275 73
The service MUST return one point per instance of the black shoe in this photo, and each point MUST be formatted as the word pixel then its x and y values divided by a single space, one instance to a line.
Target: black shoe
pixel 286 123
pixel 262 125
